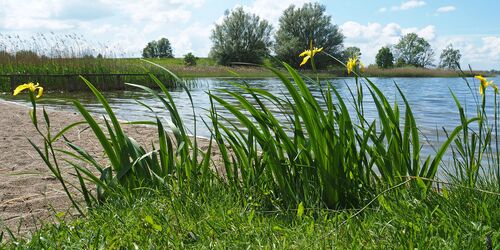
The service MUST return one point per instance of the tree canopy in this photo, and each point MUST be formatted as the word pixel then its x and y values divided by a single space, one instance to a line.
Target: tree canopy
pixel 158 49
pixel 242 37
pixel 299 26
pixel 450 58
pixel 384 58
pixel 351 52
pixel 414 50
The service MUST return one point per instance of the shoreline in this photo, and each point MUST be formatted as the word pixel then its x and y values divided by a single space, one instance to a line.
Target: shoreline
pixel 29 195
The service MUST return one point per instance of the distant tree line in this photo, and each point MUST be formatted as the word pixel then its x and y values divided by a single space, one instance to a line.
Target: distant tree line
pixel 415 51
pixel 243 37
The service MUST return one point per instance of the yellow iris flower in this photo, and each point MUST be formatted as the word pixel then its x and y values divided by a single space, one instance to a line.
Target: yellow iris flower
pixel 352 63
pixel 484 84
pixel 309 54
pixel 31 87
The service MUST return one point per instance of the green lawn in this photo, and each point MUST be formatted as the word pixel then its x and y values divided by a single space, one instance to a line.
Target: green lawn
pixel 454 219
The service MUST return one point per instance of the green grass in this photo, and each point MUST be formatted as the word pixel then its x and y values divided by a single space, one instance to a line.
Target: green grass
pixel 461 219
pixel 206 67
pixel 374 71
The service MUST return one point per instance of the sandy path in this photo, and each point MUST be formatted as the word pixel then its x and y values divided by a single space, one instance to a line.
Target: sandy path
pixel 29 195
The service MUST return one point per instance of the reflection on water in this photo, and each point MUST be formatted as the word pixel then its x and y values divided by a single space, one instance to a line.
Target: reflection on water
pixel 430 99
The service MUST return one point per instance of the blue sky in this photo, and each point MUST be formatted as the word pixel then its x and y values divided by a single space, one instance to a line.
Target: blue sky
pixel 471 26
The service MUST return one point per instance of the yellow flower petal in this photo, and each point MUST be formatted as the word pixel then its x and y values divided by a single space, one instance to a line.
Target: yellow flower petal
pixel 40 92
pixel 481 78
pixel 351 63
pixel 308 54
pixel 305 53
pixel 31 87
pixel 305 60
pixel 20 88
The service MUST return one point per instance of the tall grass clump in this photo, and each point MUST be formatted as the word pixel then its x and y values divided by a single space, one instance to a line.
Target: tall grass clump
pixel 324 155
pixel 476 156
pixel 174 164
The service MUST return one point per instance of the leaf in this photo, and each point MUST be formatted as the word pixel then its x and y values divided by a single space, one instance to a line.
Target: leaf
pixel 444 191
pixel 151 222
pixel 300 210
pixel 383 202
pixel 250 216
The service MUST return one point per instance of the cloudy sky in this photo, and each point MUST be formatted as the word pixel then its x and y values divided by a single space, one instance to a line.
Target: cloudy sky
pixel 471 26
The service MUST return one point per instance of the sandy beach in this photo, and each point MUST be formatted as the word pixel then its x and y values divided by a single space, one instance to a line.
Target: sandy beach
pixel 29 194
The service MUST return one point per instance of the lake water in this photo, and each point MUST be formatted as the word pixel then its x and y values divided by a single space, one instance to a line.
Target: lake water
pixel 430 99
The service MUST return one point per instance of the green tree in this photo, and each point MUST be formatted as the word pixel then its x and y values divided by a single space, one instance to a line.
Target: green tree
pixel 164 48
pixel 450 58
pixel 158 49
pixel 414 50
pixel 150 50
pixel 384 58
pixel 351 52
pixel 242 37
pixel 190 59
pixel 299 26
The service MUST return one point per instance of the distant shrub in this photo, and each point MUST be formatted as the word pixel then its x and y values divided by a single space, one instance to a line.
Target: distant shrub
pixel 190 59
pixel 5 56
pixel 27 55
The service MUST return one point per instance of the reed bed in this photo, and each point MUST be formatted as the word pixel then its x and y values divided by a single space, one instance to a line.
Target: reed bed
pixel 374 71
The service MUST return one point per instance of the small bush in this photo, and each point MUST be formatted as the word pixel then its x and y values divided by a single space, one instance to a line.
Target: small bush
pixel 190 59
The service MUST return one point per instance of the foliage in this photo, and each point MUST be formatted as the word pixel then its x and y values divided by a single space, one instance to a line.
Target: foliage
pixel 241 37
pixel 476 151
pixel 130 166
pixel 351 52
pixel 158 49
pixel 299 26
pixel 385 58
pixel 190 59
pixel 297 163
pixel 461 219
pixel 450 58
pixel 413 50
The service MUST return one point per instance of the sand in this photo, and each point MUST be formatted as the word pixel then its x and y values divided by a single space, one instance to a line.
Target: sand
pixel 29 195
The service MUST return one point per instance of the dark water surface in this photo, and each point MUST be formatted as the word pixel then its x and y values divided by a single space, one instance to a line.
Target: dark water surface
pixel 430 99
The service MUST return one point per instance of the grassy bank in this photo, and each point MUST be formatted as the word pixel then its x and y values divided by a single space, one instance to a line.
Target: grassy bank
pixel 205 67
pixel 374 71
pixel 460 219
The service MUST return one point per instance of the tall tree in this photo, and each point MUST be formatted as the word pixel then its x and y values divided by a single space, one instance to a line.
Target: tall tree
pixel 164 49
pixel 351 52
pixel 242 37
pixel 414 50
pixel 158 49
pixel 299 26
pixel 384 58
pixel 450 58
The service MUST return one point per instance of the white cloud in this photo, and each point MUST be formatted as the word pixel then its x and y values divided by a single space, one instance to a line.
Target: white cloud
pixel 445 9
pixel 481 52
pixel 371 37
pixel 126 25
pixel 271 10
pixel 411 4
